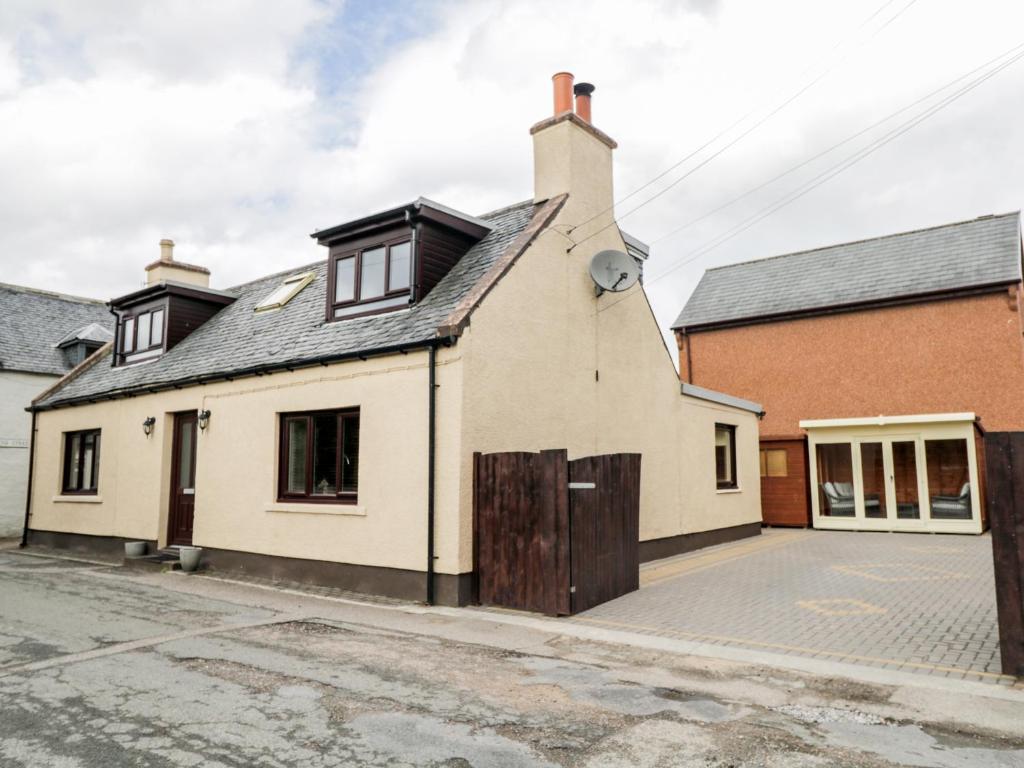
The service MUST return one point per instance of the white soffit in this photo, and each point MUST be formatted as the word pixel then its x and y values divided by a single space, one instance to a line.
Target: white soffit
pixel 885 421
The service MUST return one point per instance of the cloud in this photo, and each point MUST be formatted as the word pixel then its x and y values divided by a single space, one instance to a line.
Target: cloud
pixel 239 127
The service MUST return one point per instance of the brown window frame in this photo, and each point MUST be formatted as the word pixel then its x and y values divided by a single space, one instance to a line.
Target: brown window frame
pixel 340 496
pixel 65 484
pixel 134 317
pixel 727 485
pixel 357 254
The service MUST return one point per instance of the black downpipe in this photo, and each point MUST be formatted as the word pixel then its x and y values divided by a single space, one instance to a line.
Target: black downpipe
pixel 431 419
pixel 28 492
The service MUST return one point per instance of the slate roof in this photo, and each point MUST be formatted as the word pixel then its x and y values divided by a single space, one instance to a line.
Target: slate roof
pixel 93 332
pixel 35 321
pixel 983 251
pixel 238 340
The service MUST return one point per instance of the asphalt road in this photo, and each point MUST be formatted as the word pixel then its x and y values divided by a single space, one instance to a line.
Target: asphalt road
pixel 104 667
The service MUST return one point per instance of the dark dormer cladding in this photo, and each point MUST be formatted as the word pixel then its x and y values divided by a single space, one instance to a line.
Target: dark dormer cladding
pixel 393 259
pixel 153 320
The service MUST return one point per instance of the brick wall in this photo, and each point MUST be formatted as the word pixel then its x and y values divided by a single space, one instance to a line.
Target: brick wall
pixel 963 354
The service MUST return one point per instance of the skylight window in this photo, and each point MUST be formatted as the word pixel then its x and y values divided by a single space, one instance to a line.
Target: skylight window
pixel 285 292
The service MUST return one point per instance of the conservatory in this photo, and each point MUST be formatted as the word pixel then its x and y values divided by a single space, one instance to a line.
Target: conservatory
pixel 896 473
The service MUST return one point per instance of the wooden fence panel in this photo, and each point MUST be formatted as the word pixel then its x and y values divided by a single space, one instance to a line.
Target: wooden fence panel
pixel 1004 474
pixel 521 539
pixel 605 528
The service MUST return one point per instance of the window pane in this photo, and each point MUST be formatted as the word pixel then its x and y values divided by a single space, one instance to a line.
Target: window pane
pixel 296 455
pixel 904 468
pixel 873 475
pixel 350 455
pixel 398 274
pixel 325 454
pixel 185 438
pixel 74 455
pixel 88 481
pixel 345 279
pixel 128 343
pixel 776 462
pixel 143 334
pixel 949 486
pixel 723 456
pixel 95 461
pixel 835 480
pixel 156 332
pixel 371 276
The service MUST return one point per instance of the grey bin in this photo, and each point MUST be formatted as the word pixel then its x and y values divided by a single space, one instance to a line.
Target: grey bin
pixel 135 548
pixel 189 558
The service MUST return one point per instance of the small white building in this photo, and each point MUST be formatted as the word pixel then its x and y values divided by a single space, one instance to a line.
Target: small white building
pixel 44 336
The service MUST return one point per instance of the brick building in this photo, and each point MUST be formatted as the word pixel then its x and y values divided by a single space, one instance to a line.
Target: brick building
pixel 878 363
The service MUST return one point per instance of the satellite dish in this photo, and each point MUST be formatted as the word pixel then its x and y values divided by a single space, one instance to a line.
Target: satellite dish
pixel 613 271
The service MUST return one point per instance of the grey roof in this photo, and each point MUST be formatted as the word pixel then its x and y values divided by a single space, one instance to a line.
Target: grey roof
pixel 983 251
pixel 238 340
pixel 714 396
pixel 93 333
pixel 35 322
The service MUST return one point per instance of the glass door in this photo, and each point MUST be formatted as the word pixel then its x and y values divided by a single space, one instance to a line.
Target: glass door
pixel 903 479
pixel 872 468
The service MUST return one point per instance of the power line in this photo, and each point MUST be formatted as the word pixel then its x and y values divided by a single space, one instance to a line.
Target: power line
pixel 832 148
pixel 743 135
pixel 831 172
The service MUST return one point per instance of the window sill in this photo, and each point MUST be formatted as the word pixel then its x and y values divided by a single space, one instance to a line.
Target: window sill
pixel 317 508
pixel 728 490
pixel 84 498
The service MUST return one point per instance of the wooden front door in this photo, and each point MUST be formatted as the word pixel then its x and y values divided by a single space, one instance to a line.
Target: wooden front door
pixel 183 480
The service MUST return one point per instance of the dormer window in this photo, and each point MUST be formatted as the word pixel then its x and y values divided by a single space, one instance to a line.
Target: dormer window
pixel 394 258
pixel 373 278
pixel 142 333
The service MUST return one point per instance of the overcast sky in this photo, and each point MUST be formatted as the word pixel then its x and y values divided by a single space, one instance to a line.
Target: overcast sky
pixel 237 127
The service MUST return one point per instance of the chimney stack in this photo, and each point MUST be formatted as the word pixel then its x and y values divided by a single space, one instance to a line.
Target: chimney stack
pixel 166 250
pixel 582 92
pixel 167 269
pixel 571 156
pixel 563 92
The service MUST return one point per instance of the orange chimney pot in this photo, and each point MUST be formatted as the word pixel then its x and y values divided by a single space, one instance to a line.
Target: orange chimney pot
pixel 563 92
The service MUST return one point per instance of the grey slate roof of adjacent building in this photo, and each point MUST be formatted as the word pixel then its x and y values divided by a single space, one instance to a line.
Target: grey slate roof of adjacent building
pixel 237 339
pixel 35 322
pixel 983 251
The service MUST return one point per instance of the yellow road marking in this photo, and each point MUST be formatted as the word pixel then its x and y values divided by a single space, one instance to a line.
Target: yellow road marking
pixel 855 607
pixel 929 574
pixel 696 563
pixel 782 646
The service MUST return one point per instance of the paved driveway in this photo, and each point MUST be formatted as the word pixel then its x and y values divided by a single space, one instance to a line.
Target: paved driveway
pixel 914 602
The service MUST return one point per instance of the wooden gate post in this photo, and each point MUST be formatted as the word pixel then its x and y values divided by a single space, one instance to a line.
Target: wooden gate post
pixel 1004 475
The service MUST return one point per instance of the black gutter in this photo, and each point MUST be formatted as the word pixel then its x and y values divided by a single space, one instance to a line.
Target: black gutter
pixel 431 445
pixel 28 493
pixel 256 370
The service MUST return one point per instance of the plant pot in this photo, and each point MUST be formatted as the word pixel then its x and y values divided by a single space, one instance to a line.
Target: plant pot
pixel 135 548
pixel 189 557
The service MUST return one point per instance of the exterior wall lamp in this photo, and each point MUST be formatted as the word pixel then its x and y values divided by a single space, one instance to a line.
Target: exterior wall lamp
pixel 204 419
pixel 147 425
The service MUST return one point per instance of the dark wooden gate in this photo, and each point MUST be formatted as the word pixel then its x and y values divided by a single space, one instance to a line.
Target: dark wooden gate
pixel 555 536
pixel 604 528
pixel 1004 492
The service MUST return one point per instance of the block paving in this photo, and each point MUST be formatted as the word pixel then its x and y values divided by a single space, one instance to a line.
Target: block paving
pixel 921 603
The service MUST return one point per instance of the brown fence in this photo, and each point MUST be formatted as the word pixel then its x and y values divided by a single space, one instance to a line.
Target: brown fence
pixel 552 535
pixel 1004 474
